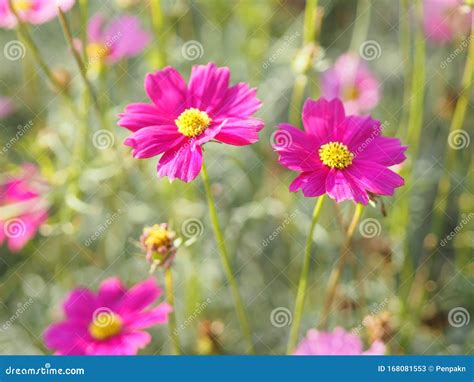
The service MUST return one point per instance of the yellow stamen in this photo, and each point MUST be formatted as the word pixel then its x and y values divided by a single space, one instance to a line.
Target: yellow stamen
pixel 351 93
pixel 96 52
pixel 192 122
pixel 157 237
pixel 22 5
pixel 335 155
pixel 105 325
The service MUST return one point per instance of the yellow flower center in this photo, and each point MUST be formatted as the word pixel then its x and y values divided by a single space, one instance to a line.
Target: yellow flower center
pixel 351 93
pixel 335 155
pixel 157 237
pixel 105 325
pixel 192 122
pixel 96 52
pixel 22 5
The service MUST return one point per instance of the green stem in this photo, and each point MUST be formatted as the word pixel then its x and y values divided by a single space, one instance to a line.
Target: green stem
pixel 405 45
pixel 242 315
pixel 337 271
pixel 310 25
pixel 81 66
pixel 361 24
pixel 172 316
pixel 157 22
pixel 303 281
pixel 84 12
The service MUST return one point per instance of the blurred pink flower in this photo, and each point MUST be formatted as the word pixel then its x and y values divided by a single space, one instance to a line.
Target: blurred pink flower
pixel 351 81
pixel 120 38
pixel 31 11
pixel 6 107
pixel 445 20
pixel 111 322
pixel 26 188
pixel 337 342
pixel 184 117
pixel 344 156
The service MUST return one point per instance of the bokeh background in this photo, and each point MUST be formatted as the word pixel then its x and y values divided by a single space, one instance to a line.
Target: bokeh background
pixel 400 273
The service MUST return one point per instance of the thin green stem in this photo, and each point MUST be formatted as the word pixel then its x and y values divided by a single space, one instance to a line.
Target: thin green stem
pixel 172 316
pixel 239 307
pixel 361 24
pixel 405 45
pixel 303 281
pixel 82 68
pixel 84 11
pixel 310 25
pixel 337 271
pixel 157 22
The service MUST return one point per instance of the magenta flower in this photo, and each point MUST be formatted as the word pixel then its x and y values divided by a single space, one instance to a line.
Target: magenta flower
pixel 26 191
pixel 343 156
pixel 445 20
pixel 109 323
pixel 337 342
pixel 122 37
pixel 183 117
pixel 351 81
pixel 31 11
pixel 6 107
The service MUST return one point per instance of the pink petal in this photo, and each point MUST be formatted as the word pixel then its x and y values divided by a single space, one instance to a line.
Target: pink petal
pixel 207 87
pixel 139 297
pixel 139 115
pixel 154 140
pixel 359 132
pixel 67 338
pixel 239 101
pixel 239 131
pixel 383 150
pixel 167 89
pixel 341 186
pixel 297 150
pixel 80 304
pixel 311 183
pixel 377 348
pixel 158 315
pixel 94 28
pixel 183 162
pixel 110 293
pixel 375 178
pixel 323 119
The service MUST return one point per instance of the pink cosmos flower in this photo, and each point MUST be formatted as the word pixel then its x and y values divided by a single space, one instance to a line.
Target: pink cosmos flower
pixel 111 322
pixel 26 191
pixel 31 11
pixel 445 20
pixel 351 81
pixel 343 156
pixel 6 107
pixel 120 38
pixel 337 342
pixel 181 118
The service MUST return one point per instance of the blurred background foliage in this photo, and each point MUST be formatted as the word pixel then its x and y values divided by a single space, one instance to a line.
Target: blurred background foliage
pixel 110 193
